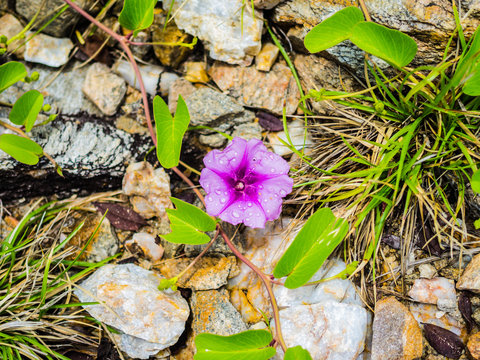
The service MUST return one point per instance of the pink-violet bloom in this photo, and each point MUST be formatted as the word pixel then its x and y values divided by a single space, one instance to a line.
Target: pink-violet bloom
pixel 245 183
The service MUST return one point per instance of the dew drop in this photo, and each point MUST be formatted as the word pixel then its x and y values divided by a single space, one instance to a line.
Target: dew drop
pixel 225 193
pixel 254 159
pixel 268 211
pixel 272 170
pixel 235 214
pixel 265 200
pixel 223 200
pixel 222 162
pixel 218 192
pixel 260 186
pixel 210 198
pixel 283 193
pixel 249 204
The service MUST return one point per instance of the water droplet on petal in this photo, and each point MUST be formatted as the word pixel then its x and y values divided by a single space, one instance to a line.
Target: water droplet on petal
pixel 223 200
pixel 260 186
pixel 249 204
pixel 218 192
pixel 209 198
pixel 235 214
pixel 283 193
pixel 272 170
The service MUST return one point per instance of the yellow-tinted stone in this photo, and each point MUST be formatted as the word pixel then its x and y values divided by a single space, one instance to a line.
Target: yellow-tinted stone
pixel 473 345
pixel 196 72
pixel 266 57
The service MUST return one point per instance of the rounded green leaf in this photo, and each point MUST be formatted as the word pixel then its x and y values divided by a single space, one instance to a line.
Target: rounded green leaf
pixel 320 235
pixel 21 149
pixel 297 353
pixel 137 14
pixel 247 345
pixel 475 183
pixel 393 46
pixel 333 30
pixel 10 73
pixel 26 109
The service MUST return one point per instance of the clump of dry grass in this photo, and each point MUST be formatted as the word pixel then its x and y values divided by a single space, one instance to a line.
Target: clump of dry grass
pixel 38 314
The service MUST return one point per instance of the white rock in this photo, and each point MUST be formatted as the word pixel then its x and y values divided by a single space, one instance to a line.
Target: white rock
pixel 329 330
pixel 48 50
pixel 146 242
pixel 218 24
pixel 151 187
pixel 427 271
pixel 433 291
pixel 130 302
pixel 150 75
pixel 430 314
pixel 296 130
pixel 166 81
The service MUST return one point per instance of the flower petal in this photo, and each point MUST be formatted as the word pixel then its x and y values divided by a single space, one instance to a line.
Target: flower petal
pixel 270 194
pixel 244 210
pixel 219 193
pixel 264 162
pixel 228 160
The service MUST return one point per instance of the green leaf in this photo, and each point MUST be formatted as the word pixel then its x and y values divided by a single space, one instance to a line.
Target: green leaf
pixel 247 345
pixel 314 243
pixel 137 14
pixel 21 149
pixel 333 30
pixel 170 130
pixel 297 353
pixel 393 46
pixel 10 73
pixel 475 183
pixel 188 224
pixel 168 284
pixel 477 224
pixel 469 63
pixel 26 109
pixel 472 85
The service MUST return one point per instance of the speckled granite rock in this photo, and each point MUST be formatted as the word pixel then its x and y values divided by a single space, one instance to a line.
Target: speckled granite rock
pixel 213 313
pixel 396 334
pixel 150 320
pixel 92 154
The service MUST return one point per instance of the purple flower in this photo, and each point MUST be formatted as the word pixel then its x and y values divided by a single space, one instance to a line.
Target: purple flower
pixel 245 183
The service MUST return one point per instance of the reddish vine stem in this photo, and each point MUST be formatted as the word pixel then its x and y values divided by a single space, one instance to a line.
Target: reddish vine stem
pixel 268 285
pixel 124 43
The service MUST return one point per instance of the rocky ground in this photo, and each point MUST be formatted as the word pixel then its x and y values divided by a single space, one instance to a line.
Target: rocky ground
pixel 235 82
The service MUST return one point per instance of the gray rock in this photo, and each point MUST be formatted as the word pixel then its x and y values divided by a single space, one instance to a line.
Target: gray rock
pixel 210 107
pixel 62 92
pixel 103 244
pixel 104 88
pixel 132 303
pixel 266 4
pixel 48 50
pixel 213 313
pixel 248 131
pixel 178 86
pixel 91 154
pixel 396 334
pixel 219 25
pixel 62 25
pixel 214 140
pixel 329 330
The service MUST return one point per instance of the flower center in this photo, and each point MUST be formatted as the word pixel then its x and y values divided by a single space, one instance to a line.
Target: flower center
pixel 239 185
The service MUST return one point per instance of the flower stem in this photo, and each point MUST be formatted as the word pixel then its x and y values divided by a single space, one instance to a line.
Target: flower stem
pixel 268 285
pixel 124 44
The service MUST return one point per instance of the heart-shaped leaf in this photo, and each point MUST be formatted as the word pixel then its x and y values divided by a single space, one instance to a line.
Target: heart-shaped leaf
pixel 314 243
pixel 26 109
pixel 21 149
pixel 297 353
pixel 247 345
pixel 393 46
pixel 170 130
pixel 475 183
pixel 137 14
pixel 10 73
pixel 188 224
pixel 333 30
